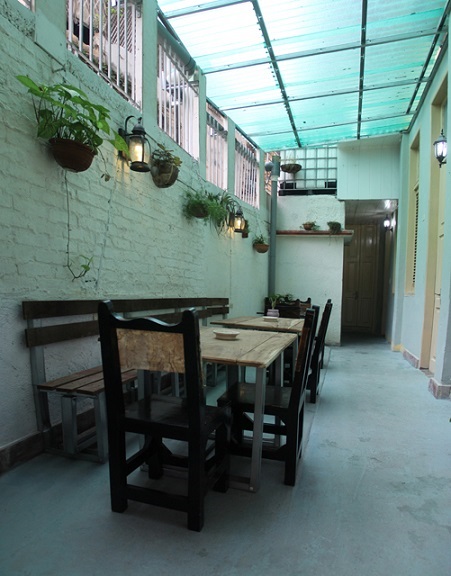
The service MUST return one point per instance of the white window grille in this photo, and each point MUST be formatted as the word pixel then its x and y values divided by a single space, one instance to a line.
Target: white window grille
pixel 27 3
pixel 319 167
pixel 177 100
pixel 106 34
pixel 246 170
pixel 216 147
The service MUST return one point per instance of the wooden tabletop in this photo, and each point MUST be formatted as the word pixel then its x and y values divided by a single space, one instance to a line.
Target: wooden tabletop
pixel 293 325
pixel 255 348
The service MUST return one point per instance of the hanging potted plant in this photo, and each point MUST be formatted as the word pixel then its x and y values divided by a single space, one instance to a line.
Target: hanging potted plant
pixel 260 244
pixel 165 167
pixel 74 126
pixel 290 166
pixel 209 207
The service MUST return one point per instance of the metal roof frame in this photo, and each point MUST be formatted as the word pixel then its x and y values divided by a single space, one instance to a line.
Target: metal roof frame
pixel 359 68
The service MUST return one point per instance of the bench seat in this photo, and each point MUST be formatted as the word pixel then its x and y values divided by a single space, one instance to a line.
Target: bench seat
pixel 67 320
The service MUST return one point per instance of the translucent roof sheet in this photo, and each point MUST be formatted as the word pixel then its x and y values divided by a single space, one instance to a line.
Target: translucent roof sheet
pixel 303 73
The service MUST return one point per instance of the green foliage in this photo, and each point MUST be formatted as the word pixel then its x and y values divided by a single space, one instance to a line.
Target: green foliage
pixel 65 111
pixel 162 155
pixel 210 207
pixel 259 239
pixel 334 227
pixel 84 263
pixel 275 299
pixel 310 225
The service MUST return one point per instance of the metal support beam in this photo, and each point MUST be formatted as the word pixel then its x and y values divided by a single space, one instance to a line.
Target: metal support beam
pixel 275 172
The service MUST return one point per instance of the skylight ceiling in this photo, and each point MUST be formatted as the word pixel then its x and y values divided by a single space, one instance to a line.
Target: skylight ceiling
pixel 309 73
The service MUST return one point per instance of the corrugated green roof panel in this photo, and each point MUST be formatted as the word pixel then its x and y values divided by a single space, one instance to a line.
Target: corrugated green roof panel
pixel 271 66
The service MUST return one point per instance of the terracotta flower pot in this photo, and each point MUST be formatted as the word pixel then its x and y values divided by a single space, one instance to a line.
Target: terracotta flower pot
pixel 71 155
pixel 290 168
pixel 261 248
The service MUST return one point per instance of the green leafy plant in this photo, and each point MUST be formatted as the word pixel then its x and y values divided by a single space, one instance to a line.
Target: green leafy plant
pixel 84 263
pixel 164 166
pixel 310 225
pixel 210 207
pixel 334 227
pixel 274 299
pixel 259 239
pixel 65 111
pixel 162 155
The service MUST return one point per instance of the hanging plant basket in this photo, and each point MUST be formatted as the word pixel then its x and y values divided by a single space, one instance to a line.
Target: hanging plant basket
pixel 290 168
pixel 165 174
pixel 261 248
pixel 71 155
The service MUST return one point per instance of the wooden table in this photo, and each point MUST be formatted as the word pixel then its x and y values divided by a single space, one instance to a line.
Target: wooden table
pixel 257 349
pixel 292 325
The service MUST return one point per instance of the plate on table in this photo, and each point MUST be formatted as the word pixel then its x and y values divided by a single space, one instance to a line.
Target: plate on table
pixel 270 318
pixel 226 334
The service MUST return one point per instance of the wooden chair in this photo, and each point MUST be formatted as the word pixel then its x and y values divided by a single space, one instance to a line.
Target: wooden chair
pixel 152 345
pixel 285 404
pixel 318 353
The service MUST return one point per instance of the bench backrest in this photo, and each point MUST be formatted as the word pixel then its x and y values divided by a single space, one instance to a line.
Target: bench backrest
pixel 167 309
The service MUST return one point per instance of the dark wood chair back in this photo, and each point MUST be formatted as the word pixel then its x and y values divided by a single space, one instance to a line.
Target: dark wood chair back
pixel 153 346
pixel 318 353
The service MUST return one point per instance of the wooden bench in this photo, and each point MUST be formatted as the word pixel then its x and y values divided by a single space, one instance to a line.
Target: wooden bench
pixel 49 322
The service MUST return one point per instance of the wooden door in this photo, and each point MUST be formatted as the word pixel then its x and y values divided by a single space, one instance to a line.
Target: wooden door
pixel 360 279
pixel 438 269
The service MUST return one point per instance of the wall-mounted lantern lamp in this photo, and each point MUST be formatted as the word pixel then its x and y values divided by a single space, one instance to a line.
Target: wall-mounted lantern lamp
pixel 239 221
pixel 441 149
pixel 138 145
pixel 387 222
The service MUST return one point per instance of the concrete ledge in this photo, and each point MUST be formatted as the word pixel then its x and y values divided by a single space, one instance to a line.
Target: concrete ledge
pixel 440 391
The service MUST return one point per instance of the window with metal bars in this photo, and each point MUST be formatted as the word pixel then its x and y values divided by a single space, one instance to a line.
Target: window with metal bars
pixel 246 170
pixel 216 149
pixel 27 3
pixel 106 34
pixel 319 167
pixel 177 100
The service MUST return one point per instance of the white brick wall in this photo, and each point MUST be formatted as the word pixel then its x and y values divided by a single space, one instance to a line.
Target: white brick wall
pixel 141 243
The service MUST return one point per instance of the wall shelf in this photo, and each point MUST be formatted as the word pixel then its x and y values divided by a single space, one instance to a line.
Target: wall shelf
pixel 347 234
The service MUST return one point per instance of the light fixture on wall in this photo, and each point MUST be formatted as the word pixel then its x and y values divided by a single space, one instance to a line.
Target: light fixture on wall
pixel 238 222
pixel 138 145
pixel 441 149
pixel 387 222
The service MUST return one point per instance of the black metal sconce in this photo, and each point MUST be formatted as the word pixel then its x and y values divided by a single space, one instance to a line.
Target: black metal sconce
pixel 239 222
pixel 441 149
pixel 138 145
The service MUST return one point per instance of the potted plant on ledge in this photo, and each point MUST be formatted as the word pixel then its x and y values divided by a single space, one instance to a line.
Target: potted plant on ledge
pixel 74 126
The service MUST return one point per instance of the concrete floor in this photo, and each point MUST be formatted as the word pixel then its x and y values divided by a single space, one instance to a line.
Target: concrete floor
pixel 373 497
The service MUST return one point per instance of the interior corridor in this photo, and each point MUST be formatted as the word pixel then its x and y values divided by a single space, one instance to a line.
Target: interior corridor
pixel 372 498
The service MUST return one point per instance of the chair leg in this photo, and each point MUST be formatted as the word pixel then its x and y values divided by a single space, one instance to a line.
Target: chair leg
pixel 312 383
pixel 196 487
pixel 118 471
pixel 222 459
pixel 291 454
